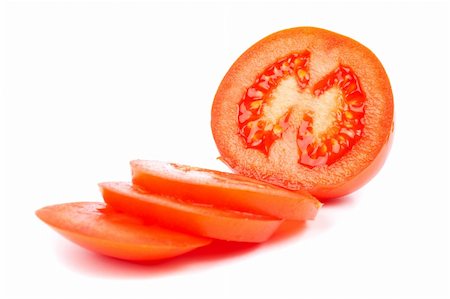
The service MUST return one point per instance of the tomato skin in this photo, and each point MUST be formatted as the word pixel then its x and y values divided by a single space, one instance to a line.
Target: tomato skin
pixel 98 228
pixel 350 186
pixel 280 165
pixel 223 190
pixel 191 218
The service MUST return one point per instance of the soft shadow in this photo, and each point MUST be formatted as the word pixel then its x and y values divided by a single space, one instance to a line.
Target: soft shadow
pixel 289 229
pixel 347 200
pixel 89 263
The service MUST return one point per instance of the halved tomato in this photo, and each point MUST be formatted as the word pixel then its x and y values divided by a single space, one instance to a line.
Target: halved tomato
pixel 97 227
pixel 180 215
pixel 222 189
pixel 305 108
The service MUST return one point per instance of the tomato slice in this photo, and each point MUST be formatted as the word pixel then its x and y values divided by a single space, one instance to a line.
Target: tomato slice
pixel 97 227
pixel 305 108
pixel 223 190
pixel 177 214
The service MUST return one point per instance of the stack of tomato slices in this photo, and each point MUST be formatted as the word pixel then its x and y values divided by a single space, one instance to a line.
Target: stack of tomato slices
pixel 171 209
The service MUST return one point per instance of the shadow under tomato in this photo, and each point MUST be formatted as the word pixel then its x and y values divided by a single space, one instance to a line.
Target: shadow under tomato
pixel 89 263
pixel 287 230
pixel 346 200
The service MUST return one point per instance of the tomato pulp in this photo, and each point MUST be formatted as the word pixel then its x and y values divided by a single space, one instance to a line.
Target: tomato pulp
pixel 305 108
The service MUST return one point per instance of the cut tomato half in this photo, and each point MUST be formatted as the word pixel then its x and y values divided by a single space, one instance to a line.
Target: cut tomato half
pixel 305 108
pixel 180 215
pixel 99 228
pixel 226 190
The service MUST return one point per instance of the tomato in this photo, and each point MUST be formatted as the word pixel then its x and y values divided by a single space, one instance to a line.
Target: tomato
pixel 99 228
pixel 224 190
pixel 305 108
pixel 188 217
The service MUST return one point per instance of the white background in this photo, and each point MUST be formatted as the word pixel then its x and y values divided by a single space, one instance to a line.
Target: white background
pixel 88 86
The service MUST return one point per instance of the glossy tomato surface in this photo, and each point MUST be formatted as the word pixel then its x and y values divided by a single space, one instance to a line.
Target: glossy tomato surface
pixel 305 108
pixel 182 215
pixel 99 228
pixel 226 190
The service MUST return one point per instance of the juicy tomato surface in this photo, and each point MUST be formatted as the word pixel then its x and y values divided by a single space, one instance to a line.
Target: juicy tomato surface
pixel 188 217
pixel 99 228
pixel 226 190
pixel 305 108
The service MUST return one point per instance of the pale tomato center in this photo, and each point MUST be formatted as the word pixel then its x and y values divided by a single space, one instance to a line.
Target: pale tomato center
pixel 330 114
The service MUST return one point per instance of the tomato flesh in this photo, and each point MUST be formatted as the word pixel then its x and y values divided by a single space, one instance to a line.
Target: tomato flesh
pixel 349 122
pixel 305 109
pixel 260 134
pixel 226 190
pixel 188 217
pixel 99 228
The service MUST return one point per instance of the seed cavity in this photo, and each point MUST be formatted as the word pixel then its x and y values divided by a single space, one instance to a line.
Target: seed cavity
pixel 321 138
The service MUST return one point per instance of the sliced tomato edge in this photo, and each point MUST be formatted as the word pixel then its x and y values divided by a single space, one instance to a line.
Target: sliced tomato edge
pixel 206 228
pixel 146 252
pixel 291 205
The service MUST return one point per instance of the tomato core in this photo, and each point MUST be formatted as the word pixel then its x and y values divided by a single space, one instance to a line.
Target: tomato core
pixel 260 129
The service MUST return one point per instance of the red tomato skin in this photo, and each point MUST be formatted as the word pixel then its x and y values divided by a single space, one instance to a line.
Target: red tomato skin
pixel 352 185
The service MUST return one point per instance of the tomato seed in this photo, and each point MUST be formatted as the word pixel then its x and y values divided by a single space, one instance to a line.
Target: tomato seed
pixel 261 134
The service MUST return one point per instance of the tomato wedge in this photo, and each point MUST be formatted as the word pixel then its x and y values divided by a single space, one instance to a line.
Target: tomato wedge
pixel 222 189
pixel 305 108
pixel 99 228
pixel 177 214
